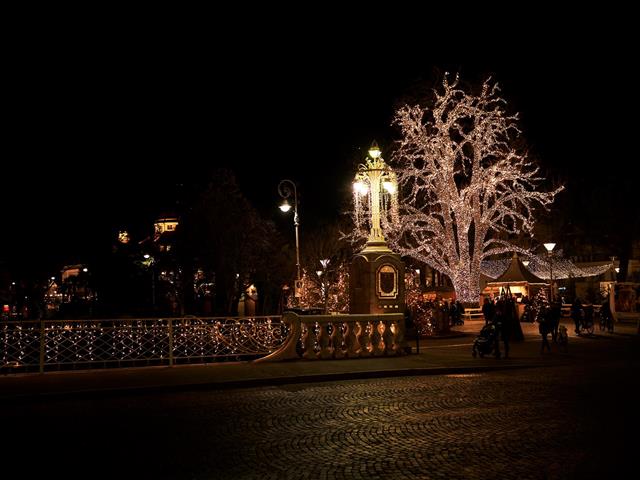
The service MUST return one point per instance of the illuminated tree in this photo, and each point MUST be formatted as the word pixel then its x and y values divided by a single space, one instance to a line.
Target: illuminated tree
pixel 465 185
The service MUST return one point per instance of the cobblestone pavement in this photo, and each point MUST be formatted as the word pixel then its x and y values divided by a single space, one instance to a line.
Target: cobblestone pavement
pixel 561 422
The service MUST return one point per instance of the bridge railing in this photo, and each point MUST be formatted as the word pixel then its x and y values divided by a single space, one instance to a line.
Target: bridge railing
pixel 79 344
pixel 318 337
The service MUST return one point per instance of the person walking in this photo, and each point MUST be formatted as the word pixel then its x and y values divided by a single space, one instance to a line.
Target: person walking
pixel 607 317
pixel 504 327
pixel 576 313
pixel 544 327
pixel 500 324
pixel 488 311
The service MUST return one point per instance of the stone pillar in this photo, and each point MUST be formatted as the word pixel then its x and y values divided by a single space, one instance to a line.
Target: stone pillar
pixel 376 282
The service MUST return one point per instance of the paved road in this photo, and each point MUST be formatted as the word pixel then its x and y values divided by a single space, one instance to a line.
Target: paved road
pixel 559 422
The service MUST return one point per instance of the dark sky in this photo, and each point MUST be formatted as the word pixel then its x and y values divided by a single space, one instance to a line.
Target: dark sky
pixel 99 133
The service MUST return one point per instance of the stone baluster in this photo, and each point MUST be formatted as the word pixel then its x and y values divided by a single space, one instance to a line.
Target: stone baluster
pixel 364 338
pixel 308 341
pixel 376 339
pixel 351 340
pixel 388 337
pixel 337 338
pixel 324 341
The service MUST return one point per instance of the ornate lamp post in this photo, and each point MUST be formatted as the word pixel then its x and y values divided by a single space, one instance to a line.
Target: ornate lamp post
pixel 550 247
pixel 375 177
pixel 376 282
pixel 285 188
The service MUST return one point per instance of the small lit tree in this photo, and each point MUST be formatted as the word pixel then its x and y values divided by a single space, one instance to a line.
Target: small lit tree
pixel 539 306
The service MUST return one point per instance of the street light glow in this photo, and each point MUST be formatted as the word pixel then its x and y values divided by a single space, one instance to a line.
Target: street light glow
pixel 361 188
pixel 549 247
pixel 390 187
pixel 374 151
pixel 285 207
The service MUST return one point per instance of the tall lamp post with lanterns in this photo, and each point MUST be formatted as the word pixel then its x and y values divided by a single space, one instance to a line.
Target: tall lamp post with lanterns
pixel 377 274
pixel 285 188
pixel 550 247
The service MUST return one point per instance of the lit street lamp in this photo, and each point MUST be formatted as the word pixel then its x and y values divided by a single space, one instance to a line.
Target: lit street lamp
pixel 285 188
pixel 375 178
pixel 550 247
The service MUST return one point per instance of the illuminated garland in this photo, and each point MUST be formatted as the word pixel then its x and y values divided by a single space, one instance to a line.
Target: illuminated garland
pixel 540 267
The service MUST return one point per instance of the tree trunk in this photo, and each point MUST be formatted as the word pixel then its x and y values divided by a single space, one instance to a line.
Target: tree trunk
pixel 467 289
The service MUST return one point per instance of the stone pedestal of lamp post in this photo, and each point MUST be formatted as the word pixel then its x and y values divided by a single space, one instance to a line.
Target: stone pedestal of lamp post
pixel 376 279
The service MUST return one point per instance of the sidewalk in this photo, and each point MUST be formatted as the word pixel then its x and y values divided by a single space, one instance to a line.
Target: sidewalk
pixel 449 355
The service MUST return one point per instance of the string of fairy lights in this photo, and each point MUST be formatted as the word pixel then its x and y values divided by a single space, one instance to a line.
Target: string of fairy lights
pixel 107 341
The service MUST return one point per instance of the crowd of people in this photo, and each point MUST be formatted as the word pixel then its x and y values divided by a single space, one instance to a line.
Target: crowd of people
pixel 502 319
pixel 501 314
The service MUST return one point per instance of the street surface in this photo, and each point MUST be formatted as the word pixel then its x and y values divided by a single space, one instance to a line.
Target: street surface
pixel 572 420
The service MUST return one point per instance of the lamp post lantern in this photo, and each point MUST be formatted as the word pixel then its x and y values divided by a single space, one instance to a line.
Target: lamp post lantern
pixel 550 247
pixel 285 188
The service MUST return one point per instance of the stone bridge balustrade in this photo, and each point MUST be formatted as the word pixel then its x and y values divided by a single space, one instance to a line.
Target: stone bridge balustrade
pixel 323 337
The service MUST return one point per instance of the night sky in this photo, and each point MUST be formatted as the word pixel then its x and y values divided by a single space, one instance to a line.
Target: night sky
pixel 100 133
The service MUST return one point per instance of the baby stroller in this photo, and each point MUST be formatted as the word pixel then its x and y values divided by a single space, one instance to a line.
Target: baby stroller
pixel 485 343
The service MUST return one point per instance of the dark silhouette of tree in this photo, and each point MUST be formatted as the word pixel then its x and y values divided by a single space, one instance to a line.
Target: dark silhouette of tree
pixel 223 234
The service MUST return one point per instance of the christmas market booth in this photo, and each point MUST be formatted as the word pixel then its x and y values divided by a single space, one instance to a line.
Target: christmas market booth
pixel 517 280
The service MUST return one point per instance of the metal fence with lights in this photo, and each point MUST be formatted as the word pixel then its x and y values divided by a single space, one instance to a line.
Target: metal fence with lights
pixel 49 345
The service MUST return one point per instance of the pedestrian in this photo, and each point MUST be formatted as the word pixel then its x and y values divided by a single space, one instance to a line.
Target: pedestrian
pixel 544 327
pixel 515 330
pixel 501 329
pixel 576 313
pixel 488 311
pixel 459 313
pixel 607 317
